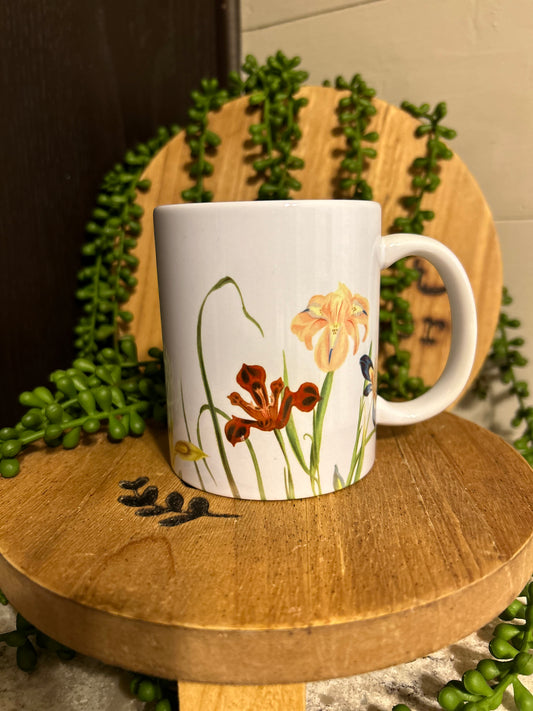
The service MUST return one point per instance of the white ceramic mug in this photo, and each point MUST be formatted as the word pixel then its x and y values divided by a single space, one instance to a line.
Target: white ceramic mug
pixel 270 316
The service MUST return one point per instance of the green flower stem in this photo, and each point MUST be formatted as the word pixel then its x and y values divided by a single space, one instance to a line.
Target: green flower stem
pixel 249 445
pixel 210 403
pixel 289 483
pixel 292 434
pixel 258 476
pixel 189 437
pixel 294 442
pixel 366 440
pixel 318 424
pixel 355 451
pixel 204 408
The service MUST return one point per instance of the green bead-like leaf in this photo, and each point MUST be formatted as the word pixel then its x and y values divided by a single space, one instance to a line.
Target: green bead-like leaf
pixel 116 429
pixel 91 425
pixel 501 649
pixel 11 448
pixel 489 668
pixel 71 438
pixel 9 468
pixel 522 696
pixel 523 663
pixel 450 698
pixel 136 424
pixel 26 657
pixel 8 433
pixel 475 683
pixel 146 691
pixel 30 399
pixel 103 397
pixel 506 631
pixel 87 401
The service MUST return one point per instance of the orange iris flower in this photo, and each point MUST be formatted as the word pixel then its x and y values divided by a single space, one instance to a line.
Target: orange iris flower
pixel 267 413
pixel 339 314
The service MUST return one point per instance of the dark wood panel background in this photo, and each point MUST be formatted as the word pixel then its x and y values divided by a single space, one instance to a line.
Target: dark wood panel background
pixel 80 82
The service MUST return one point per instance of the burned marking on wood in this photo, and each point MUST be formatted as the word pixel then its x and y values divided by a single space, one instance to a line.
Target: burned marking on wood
pixel 424 288
pixel 429 324
pixel 146 503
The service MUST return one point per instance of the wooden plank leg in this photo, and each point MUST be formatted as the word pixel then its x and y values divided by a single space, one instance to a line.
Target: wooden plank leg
pixel 219 697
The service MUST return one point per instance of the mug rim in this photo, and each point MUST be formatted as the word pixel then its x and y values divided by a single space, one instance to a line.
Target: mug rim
pixel 265 204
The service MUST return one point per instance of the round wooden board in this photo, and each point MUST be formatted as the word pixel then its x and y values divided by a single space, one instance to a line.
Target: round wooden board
pixel 427 548
pixel 463 220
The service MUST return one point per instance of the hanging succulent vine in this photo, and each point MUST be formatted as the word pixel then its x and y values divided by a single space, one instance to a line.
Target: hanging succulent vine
pixel 203 141
pixel 27 648
pixel 106 280
pixel 106 384
pixel 396 319
pixel 355 113
pixel 500 365
pixel 426 168
pixel 482 688
pixel 162 692
pixel 272 88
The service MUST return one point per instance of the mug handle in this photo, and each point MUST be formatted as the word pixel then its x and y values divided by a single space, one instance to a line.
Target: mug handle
pixel 464 330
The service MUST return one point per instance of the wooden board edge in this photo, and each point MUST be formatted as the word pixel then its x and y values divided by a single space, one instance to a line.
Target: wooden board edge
pixel 269 656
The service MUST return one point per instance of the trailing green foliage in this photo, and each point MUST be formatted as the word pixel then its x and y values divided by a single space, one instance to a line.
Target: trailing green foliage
pixel 272 88
pixel 482 688
pixel 112 389
pixel 501 365
pixel 161 694
pixel 396 319
pixel 106 279
pixel 355 113
pixel 425 169
pixel 201 139
pixel 27 653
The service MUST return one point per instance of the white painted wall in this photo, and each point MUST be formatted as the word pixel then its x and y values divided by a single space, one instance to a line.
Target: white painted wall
pixel 477 55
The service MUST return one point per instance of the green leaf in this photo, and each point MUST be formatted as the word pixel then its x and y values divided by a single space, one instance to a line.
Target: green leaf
pixel 523 698
pixel 290 428
pixel 423 130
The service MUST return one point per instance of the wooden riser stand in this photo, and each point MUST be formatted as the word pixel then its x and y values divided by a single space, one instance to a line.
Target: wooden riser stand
pixel 246 604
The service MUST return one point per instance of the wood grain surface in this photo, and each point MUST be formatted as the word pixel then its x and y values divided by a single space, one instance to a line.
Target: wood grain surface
pixel 463 220
pixel 427 548
pixel 214 697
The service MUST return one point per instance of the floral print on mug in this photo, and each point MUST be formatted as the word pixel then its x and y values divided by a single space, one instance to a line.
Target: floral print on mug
pixel 341 318
pixel 339 315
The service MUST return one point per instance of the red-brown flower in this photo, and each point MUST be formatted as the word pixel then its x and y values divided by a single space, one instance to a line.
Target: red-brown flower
pixel 267 411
